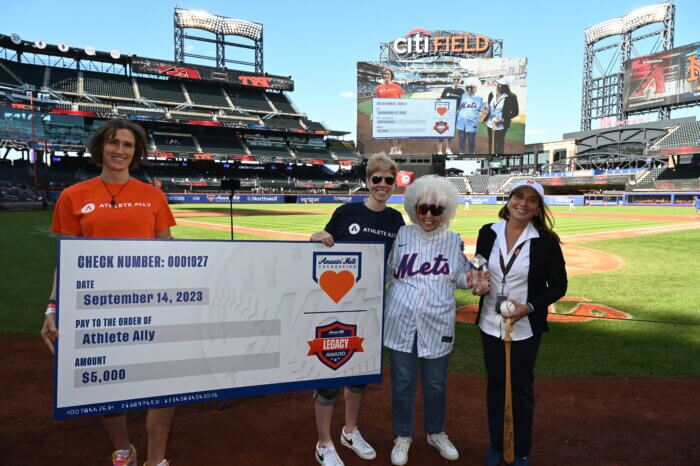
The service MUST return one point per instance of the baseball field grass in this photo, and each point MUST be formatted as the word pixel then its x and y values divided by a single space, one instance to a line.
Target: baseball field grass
pixel 658 284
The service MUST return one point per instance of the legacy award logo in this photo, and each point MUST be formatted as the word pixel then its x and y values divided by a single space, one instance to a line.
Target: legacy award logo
pixel 441 126
pixel 337 273
pixel 335 344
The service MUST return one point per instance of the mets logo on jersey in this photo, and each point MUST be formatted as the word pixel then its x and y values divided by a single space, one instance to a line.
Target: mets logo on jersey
pixel 335 344
pixel 442 106
pixel 337 272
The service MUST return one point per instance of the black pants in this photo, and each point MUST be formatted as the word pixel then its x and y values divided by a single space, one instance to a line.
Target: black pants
pixel 523 355
pixel 499 139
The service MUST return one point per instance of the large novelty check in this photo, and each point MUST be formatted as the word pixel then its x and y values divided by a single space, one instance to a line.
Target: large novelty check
pixel 157 323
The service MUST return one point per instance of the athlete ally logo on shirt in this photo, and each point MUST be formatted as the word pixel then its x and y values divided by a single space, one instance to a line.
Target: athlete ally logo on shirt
pixel 354 229
pixel 87 208
pixel 440 266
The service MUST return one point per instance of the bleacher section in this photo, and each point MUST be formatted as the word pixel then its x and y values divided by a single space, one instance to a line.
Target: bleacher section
pixel 343 149
pixel 687 134
pixel 283 122
pixel 479 183
pixel 63 80
pixel 180 143
pixel 220 145
pixel 264 148
pixel 109 86
pixel 495 183
pixel 206 95
pixel 647 182
pixel 458 182
pixel 5 77
pixel 281 103
pixel 311 152
pixel 249 99
pixel 313 125
pixel 158 90
pixel 28 74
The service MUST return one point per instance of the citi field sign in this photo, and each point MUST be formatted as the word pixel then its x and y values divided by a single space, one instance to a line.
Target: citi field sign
pixel 422 43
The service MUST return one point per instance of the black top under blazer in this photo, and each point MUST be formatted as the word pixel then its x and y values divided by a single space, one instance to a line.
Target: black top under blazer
pixel 546 280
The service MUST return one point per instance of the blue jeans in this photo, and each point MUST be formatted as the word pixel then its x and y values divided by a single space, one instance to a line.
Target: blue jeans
pixel 469 139
pixel 404 373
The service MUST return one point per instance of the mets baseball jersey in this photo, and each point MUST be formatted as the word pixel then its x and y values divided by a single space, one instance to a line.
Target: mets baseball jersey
pixel 425 269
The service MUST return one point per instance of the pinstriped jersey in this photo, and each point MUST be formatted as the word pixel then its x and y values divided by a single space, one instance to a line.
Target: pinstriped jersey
pixel 424 272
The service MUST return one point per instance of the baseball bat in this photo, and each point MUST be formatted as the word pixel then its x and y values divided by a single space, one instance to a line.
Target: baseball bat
pixel 508 435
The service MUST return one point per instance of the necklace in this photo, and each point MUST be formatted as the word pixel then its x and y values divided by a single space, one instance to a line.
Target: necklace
pixel 114 202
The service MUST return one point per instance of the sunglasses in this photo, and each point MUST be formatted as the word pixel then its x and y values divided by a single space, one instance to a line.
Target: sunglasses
pixel 434 210
pixel 387 179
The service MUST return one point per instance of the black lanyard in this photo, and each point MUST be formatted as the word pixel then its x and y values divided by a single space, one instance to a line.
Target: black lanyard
pixel 505 268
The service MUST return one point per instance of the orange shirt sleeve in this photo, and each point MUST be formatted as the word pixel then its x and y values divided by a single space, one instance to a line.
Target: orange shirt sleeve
pixel 64 219
pixel 164 216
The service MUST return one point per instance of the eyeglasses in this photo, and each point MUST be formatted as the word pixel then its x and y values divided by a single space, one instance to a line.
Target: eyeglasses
pixel 434 210
pixel 387 179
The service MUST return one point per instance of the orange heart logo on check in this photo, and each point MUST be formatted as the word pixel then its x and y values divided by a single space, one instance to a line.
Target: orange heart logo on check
pixel 442 110
pixel 336 284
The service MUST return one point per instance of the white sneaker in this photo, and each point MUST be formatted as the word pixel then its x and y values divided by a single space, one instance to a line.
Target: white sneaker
pixel 358 444
pixel 448 151
pixel 444 445
pixel 327 456
pixel 399 454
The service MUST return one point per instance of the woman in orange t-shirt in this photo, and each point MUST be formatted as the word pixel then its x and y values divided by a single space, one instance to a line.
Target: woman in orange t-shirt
pixel 115 205
pixel 389 90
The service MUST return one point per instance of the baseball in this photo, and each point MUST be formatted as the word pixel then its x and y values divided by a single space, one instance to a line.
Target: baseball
pixel 507 307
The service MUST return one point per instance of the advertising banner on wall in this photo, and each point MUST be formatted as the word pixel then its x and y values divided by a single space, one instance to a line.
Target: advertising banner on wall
pixel 458 106
pixel 662 79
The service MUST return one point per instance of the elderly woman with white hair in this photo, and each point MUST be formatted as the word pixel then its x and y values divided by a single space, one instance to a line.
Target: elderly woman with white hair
pixel 470 107
pixel 425 266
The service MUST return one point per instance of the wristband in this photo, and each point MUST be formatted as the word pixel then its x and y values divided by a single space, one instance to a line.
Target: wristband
pixel 51 308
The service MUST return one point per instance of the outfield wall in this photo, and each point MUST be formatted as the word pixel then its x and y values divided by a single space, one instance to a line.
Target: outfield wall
pixel 337 199
pixel 632 198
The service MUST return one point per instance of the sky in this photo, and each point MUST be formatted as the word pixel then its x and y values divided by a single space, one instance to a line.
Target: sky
pixel 319 43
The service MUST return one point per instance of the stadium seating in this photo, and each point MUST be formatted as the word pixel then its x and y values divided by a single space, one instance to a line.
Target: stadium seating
pixel 28 74
pixel 108 85
pixel 687 134
pixel 158 90
pixel 249 99
pixel 206 94
pixel 496 182
pixel 343 149
pixel 281 103
pixel 647 182
pixel 221 145
pixel 63 80
pixel 479 183
pixel 458 182
pixel 313 125
pixel 311 152
pixel 182 143
pixel 5 77
pixel 681 172
pixel 283 122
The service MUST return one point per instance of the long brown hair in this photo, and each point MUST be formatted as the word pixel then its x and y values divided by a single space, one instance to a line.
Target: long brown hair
pixel 543 220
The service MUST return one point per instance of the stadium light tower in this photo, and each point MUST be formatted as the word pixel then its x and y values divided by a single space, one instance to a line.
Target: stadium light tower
pixel 603 85
pixel 220 27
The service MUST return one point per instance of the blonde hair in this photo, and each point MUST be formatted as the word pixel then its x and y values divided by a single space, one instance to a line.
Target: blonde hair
pixel 381 163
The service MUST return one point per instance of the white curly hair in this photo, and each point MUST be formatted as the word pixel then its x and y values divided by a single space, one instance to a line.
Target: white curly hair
pixel 431 189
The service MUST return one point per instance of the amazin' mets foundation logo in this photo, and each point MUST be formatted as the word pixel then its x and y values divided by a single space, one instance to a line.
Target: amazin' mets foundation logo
pixel 337 273
pixel 335 344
